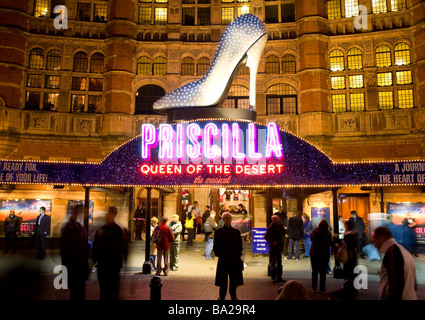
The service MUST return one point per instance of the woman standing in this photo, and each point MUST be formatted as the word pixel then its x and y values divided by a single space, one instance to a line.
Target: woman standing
pixel 190 227
pixel 154 222
pixel 321 242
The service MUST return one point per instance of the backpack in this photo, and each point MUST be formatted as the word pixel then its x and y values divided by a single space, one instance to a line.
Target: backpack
pixel 156 236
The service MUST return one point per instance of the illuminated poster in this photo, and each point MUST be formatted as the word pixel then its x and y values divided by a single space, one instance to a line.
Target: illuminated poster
pixel 413 212
pixel 73 203
pixel 27 209
pixel 319 214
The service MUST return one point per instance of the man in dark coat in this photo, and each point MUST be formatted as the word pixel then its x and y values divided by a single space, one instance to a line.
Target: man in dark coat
pixel 110 248
pixel 274 236
pixel 283 216
pixel 41 230
pixel 295 234
pixel 11 228
pixel 75 252
pixel 139 221
pixel 360 226
pixel 228 248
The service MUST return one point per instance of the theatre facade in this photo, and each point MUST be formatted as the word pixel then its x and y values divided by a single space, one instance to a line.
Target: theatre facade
pixel 339 126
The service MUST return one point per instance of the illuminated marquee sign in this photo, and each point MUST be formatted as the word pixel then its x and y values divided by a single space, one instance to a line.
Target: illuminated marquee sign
pixel 215 153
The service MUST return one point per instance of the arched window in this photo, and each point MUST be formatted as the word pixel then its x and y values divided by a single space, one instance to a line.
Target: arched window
pixel 188 67
pixel 354 59
pixel 238 98
pixel 272 65
pixel 53 60
pixel 337 60
pixel 97 63
pixel 379 6
pixel 288 64
pixel 383 56
pixel 402 54
pixel 81 62
pixel 146 97
pixel 36 59
pixel 143 66
pixel 281 99
pixel 202 66
pixel 159 67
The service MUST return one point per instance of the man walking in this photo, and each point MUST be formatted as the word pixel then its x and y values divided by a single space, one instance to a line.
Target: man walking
pixel 42 229
pixel 11 228
pixel 228 248
pixel 295 234
pixel 75 252
pixel 274 236
pixel 163 248
pixel 176 228
pixel 360 226
pixel 398 271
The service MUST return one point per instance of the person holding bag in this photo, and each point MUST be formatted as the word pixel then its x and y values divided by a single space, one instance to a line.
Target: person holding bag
pixel 209 228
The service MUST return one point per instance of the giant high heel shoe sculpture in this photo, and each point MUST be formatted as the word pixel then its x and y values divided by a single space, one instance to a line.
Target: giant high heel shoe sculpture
pixel 241 45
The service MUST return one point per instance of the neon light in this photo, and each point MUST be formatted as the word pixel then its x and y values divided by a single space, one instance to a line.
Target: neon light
pixel 226 138
pixel 211 151
pixel 236 137
pixel 252 142
pixel 274 144
pixel 194 133
pixel 149 140
pixel 167 137
pixel 180 141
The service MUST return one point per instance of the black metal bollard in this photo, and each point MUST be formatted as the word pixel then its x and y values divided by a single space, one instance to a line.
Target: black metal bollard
pixel 155 285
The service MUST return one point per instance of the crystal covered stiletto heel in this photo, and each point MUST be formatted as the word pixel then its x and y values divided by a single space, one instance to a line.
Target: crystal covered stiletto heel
pixel 242 44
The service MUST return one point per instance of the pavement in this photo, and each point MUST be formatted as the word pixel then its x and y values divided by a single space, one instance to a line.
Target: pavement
pixel 22 277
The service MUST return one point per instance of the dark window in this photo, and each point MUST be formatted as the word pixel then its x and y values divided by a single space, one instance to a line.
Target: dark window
pixel 95 104
pixel 238 98
pixel 36 59
pixel 146 97
pixel 288 64
pixel 288 12
pixel 97 63
pixel 79 83
pixel 204 15
pixel 188 67
pixel 53 60
pixel 272 14
pixel 281 99
pixel 32 101
pixel 80 62
pixel 188 16
pixel 34 80
pixel 83 11
pixel 95 84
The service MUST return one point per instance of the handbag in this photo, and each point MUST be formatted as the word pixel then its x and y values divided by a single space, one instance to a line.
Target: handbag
pixel 156 236
pixel 342 253
pixel 338 272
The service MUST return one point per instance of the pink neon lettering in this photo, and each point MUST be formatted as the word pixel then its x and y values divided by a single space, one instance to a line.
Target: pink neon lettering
pixel 274 144
pixel 252 142
pixel 167 137
pixel 194 133
pixel 149 140
pixel 180 141
pixel 211 151
pixel 236 135
pixel 226 136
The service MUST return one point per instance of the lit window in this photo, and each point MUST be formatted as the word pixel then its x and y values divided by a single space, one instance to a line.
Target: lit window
pixel 36 59
pixel 51 101
pixel 34 80
pixel 52 82
pixel 334 9
pixel 95 84
pixel 97 63
pixel 188 67
pixel 95 104
pixel 227 15
pixel 243 10
pixel 379 6
pixel 53 60
pixel 354 59
pixel 385 100
pixel 281 99
pixel 356 81
pixel 161 16
pixel 338 83
pixel 32 101
pixel 239 1
pixel 145 15
pixel 339 104
pixel 357 102
pixel 78 102
pixel 402 54
pixel 202 66
pixel 100 11
pixel 159 66
pixel 398 5
pixel 143 66
pixel 272 65
pixel 404 77
pixel 83 11
pixel 79 83
pixel 385 79
pixel 405 99
pixel 145 1
pixel 383 56
pixel 161 1
pixel 351 8
pixel 81 62
pixel 41 8
pixel 188 16
pixel 288 64
pixel 227 1
pixel 337 60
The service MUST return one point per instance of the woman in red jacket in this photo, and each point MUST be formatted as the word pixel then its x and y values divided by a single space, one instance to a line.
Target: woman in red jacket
pixel 163 247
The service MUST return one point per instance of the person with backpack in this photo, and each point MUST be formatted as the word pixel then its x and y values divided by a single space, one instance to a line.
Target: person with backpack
pixel 163 245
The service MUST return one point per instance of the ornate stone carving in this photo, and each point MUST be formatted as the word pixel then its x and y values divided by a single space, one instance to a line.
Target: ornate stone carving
pixel 347 124
pixel 394 121
pixel 84 125
pixel 41 122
